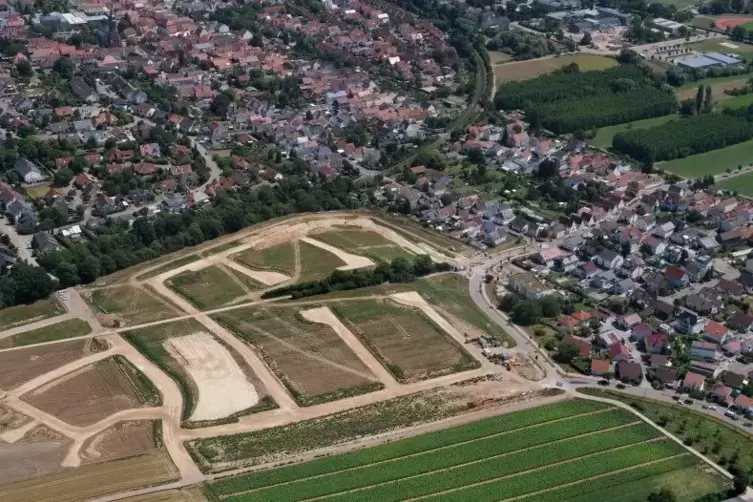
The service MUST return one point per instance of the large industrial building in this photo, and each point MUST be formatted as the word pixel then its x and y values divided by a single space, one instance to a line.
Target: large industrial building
pixel 708 60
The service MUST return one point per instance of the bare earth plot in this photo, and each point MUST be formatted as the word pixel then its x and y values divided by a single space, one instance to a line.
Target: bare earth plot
pixel 155 343
pixel 127 305
pixel 88 395
pixel 409 344
pixel 280 258
pixel 211 286
pixel 310 359
pixel 25 314
pixel 94 480
pixel 221 383
pixel 123 440
pixel 364 242
pixel 40 451
pixel 71 328
pixel 19 366
pixel 186 495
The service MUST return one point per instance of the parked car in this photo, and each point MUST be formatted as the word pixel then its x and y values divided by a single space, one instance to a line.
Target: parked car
pixel 620 385
pixel 603 382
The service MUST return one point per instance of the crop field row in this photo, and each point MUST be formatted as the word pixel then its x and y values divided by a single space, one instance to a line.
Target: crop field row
pixel 518 452
pixel 418 477
pixel 364 242
pixel 71 328
pixel 568 410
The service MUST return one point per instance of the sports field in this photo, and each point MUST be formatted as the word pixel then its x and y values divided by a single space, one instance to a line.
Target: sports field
pixel 724 46
pixel 603 138
pixel 713 162
pixel 523 70
pixel 553 453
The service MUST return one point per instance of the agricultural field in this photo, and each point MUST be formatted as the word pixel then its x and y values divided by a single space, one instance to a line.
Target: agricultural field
pixel 713 162
pixel 343 428
pixel 280 258
pixel 24 314
pixel 712 437
pixel 212 286
pixel 365 243
pixel 126 305
pixel 154 343
pixel 125 439
pixel 94 480
pixel 498 57
pixel 742 184
pixel 535 451
pixel 309 358
pixel 422 235
pixel 71 328
pixel 94 392
pixel 603 138
pixel 316 263
pixel 407 342
pixel 523 70
pixel 19 366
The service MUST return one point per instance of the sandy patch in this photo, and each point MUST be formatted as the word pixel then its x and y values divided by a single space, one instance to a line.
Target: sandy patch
pixel 352 261
pixel 266 277
pixel 222 387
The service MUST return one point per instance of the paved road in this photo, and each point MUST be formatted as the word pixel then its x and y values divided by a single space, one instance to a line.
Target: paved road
pixel 22 242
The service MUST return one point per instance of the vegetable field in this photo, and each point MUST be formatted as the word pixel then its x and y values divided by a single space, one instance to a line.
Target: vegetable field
pixel 542 454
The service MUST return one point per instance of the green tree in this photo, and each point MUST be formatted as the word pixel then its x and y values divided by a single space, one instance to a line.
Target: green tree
pixel 24 69
pixel 62 177
pixel 699 99
pixel 64 67
pixel 663 495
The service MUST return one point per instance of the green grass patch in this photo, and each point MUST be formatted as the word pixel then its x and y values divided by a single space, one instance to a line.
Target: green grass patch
pixel 743 50
pixel 743 101
pixel 185 260
pixel 734 79
pixel 279 258
pixel 365 243
pixel 316 263
pixel 132 305
pixel 603 138
pixel 210 286
pixel 713 162
pixel 25 314
pixel 259 446
pixel 71 328
pixel 713 437
pixel 742 184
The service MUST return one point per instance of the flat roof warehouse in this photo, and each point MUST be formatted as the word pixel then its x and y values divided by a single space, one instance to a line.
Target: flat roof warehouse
pixel 709 59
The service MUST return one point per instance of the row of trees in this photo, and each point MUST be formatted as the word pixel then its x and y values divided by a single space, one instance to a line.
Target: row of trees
pixel 601 110
pixel 399 270
pixel 119 246
pixel 680 138
pixel 568 83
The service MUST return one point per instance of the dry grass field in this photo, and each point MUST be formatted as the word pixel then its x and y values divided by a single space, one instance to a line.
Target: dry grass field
pixel 39 452
pixel 123 440
pixel 185 495
pixel 365 243
pixel 94 480
pixel 19 366
pixel 523 70
pixel 316 263
pixel 280 258
pixel 127 305
pixel 311 359
pixel 71 328
pixel 407 342
pixel 86 396
pixel 25 314
pixel 212 286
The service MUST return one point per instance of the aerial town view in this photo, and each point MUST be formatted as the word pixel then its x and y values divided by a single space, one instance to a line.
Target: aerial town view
pixel 376 250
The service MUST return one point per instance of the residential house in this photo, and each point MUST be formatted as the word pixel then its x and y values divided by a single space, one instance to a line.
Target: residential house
pixel 608 259
pixel 656 343
pixel 600 367
pixel 628 321
pixel 653 245
pixel 693 382
pixel 666 376
pixel 29 172
pixel 721 394
pixel 743 404
pixel 629 372
pixel 44 241
pixel 584 348
pixel 735 380
pixel 641 331
pixel 150 150
pixel 619 352
pixel 704 351
pixel 587 270
pixel 690 323
pixel 698 267
pixel 82 90
pixel 715 332
pixel 676 277
pixel 528 286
